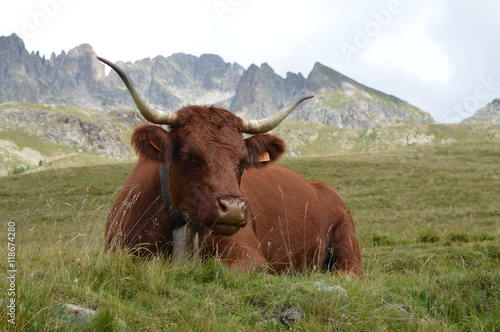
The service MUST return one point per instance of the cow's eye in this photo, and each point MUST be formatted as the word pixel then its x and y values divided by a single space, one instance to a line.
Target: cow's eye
pixel 239 170
pixel 192 160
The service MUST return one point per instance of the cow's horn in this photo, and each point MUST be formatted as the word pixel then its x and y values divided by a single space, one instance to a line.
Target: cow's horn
pixel 147 110
pixel 271 122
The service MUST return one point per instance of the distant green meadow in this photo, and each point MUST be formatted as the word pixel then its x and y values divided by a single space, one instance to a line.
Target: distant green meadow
pixel 428 219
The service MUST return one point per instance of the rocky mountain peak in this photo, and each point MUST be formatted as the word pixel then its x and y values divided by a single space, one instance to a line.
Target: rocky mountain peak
pixel 81 63
pixel 12 44
pixel 323 77
pixel 77 78
pixel 81 50
pixel 267 68
pixel 262 92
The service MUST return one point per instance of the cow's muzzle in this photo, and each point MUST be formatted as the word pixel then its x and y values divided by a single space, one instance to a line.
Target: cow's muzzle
pixel 233 213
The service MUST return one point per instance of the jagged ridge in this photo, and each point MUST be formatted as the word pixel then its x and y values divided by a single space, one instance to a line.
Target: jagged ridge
pixel 78 79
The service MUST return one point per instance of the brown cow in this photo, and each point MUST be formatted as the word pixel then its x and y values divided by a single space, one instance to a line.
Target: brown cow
pixel 251 214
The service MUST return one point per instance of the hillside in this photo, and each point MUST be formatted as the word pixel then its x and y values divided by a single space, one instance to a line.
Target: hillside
pixel 38 137
pixel 489 113
pixel 78 79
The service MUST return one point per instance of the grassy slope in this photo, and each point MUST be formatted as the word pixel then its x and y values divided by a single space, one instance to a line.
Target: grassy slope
pixel 314 139
pixel 427 219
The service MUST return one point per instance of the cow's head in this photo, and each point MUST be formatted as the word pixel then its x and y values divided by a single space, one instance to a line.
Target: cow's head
pixel 206 156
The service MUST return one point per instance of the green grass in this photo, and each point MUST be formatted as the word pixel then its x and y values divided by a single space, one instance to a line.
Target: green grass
pixel 70 111
pixel 316 139
pixel 427 218
pixel 25 140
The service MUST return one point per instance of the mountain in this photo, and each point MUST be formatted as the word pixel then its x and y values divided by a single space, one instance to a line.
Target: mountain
pixel 339 101
pixel 78 79
pixel 342 102
pixel 66 79
pixel 489 113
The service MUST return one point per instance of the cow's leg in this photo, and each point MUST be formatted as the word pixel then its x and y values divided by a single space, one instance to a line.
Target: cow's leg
pixel 240 251
pixel 346 249
pixel 344 252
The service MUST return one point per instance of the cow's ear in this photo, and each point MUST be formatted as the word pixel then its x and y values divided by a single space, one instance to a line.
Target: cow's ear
pixel 152 142
pixel 263 149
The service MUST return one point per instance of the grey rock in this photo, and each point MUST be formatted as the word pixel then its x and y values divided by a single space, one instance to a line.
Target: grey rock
pixel 291 315
pixel 74 316
pixel 329 288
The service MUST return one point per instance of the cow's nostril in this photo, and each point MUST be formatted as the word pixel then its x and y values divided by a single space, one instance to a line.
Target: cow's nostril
pixel 222 206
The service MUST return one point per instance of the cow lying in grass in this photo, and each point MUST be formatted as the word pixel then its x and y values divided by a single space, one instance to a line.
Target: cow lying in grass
pixel 203 185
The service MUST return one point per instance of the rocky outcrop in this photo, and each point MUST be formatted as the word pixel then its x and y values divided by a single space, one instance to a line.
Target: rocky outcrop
pixel 489 113
pixel 82 130
pixel 77 78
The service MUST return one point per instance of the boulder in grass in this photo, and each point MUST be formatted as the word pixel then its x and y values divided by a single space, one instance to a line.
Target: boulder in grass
pixel 74 316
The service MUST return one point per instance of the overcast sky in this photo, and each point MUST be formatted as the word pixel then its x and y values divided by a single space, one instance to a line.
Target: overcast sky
pixel 440 55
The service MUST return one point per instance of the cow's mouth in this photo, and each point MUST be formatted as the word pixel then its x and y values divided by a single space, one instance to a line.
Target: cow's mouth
pixel 226 228
pixel 218 227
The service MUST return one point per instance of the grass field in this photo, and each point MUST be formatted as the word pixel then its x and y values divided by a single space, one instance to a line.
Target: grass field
pixel 428 219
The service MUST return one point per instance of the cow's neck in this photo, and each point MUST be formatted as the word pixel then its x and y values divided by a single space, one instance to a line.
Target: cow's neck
pixel 175 216
pixel 185 242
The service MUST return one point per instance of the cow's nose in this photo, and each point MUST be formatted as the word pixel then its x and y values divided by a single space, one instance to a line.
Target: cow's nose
pixel 232 210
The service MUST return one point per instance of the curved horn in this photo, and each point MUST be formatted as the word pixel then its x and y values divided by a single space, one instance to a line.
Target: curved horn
pixel 271 122
pixel 147 110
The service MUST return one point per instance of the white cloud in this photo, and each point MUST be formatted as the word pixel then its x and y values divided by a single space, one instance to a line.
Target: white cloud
pixel 413 53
